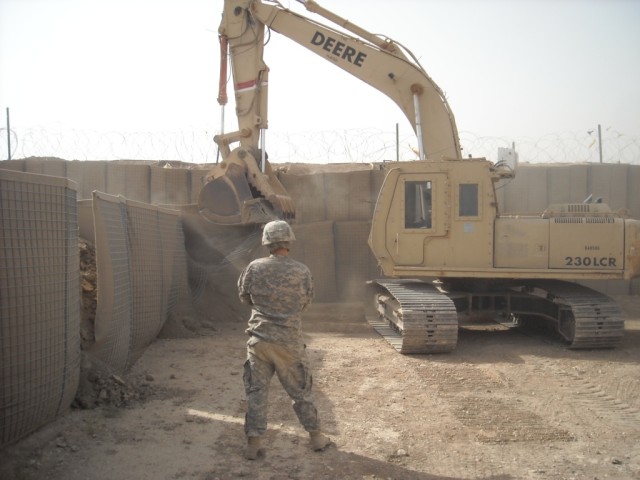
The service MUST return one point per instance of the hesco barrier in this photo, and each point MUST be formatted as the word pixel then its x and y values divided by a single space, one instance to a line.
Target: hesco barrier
pixel 334 253
pixel 341 195
pixel 141 265
pixel 336 196
pixel 144 181
pixel 350 196
pixel 39 301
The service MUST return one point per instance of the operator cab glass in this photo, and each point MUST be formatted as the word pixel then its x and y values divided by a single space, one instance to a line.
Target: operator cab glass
pixel 468 200
pixel 417 201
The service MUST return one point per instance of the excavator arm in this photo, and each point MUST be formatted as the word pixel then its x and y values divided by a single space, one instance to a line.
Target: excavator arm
pixel 243 188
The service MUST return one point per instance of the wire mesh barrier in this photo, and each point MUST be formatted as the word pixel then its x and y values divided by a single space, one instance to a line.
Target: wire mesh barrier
pixel 141 274
pixel 39 301
pixel 355 145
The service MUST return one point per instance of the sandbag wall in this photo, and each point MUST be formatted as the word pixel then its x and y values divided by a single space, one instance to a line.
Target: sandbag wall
pixel 39 301
pixel 141 265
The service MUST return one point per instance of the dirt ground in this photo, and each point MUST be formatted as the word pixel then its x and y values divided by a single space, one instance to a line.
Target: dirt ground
pixel 506 404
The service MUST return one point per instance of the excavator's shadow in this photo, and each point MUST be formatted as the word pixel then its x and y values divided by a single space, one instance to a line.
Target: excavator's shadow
pixel 509 344
pixel 482 342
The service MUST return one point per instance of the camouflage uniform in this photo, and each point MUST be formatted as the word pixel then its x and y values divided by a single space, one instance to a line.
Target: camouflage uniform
pixel 278 289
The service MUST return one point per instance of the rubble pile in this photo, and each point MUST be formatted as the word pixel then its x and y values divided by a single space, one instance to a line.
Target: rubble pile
pixel 89 289
pixel 99 384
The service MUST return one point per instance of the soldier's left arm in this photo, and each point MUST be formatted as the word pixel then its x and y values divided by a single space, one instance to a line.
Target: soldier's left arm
pixel 244 291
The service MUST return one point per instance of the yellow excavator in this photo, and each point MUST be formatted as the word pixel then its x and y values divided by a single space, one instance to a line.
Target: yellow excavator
pixel 243 188
pixel 445 249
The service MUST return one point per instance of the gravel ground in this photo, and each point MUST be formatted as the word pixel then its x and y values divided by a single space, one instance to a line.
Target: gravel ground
pixel 506 404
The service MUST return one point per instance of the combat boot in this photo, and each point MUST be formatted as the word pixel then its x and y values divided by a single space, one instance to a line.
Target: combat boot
pixel 253 448
pixel 319 441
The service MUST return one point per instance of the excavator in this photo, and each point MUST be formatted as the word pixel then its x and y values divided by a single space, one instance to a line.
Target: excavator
pixel 446 252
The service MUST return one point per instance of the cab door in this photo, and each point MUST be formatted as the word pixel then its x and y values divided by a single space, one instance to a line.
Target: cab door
pixel 407 216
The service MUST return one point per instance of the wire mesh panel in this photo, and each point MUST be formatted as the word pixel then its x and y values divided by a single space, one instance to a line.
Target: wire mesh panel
pixel 174 258
pixel 131 180
pixel 141 266
pixel 349 196
pixel 633 192
pixel 170 185
pixel 355 263
pixel 147 278
pixel 49 166
pixel 308 194
pixel 314 247
pixel 114 309
pixel 39 301
pixel 196 182
pixel 566 183
pixel 89 176
pixel 85 220
pixel 17 165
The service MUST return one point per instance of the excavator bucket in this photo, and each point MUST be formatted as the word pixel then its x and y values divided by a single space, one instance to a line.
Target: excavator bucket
pixel 238 192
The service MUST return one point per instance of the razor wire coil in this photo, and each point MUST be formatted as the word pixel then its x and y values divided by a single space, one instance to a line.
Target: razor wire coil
pixel 358 145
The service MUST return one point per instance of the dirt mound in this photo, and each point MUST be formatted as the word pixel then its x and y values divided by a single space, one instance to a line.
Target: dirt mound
pixel 99 384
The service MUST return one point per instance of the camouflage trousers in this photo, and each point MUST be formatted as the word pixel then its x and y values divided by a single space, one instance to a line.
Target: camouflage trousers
pixel 291 365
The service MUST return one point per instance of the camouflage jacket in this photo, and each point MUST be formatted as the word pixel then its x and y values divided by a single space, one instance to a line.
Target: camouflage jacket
pixel 278 289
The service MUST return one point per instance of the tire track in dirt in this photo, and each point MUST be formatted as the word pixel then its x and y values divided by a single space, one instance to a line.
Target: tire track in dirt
pixel 488 405
pixel 605 405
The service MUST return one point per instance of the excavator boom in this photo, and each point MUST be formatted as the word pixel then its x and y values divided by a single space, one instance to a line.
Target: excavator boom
pixel 243 188
pixel 379 62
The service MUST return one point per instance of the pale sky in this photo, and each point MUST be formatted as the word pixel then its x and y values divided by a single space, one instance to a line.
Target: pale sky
pixel 516 70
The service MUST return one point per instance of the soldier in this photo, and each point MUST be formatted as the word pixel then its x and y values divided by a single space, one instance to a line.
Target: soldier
pixel 278 289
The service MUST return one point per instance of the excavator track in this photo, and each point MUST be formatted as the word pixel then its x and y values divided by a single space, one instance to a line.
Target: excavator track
pixel 585 318
pixel 414 317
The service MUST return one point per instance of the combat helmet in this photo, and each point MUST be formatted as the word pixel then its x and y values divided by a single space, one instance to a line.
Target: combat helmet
pixel 277 231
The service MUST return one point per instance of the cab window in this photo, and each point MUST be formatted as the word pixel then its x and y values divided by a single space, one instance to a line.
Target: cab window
pixel 417 201
pixel 468 200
